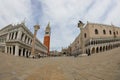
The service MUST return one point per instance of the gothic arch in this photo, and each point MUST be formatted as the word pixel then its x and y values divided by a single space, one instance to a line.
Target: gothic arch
pixel 93 50
pixel 106 47
pixel 97 50
pixel 101 49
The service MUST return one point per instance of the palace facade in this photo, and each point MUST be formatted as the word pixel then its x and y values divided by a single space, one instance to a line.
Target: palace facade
pixel 96 38
pixel 17 40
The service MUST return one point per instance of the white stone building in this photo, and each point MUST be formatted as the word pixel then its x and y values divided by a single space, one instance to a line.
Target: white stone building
pixel 17 40
pixel 96 38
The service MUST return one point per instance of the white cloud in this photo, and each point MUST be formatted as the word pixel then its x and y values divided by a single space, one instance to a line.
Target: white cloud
pixel 113 17
pixel 66 13
pixel 13 11
pixel 63 15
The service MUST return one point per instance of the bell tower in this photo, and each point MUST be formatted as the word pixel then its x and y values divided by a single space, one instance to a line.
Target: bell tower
pixel 47 37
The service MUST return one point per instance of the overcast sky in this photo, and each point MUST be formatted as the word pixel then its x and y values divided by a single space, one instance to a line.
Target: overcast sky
pixel 62 14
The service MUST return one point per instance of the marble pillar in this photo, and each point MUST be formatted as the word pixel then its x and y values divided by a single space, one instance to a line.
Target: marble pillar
pixel 5 49
pixel 12 50
pixel 19 35
pixel 21 52
pixel 16 50
pixel 14 35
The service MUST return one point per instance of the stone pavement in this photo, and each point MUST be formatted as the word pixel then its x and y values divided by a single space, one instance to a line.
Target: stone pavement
pixel 101 66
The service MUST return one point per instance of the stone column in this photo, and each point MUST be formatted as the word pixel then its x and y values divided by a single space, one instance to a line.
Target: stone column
pixel 16 50
pixel 19 35
pixel 11 36
pixel 36 27
pixel 23 38
pixel 21 52
pixel 5 49
pixel 14 35
pixel 80 26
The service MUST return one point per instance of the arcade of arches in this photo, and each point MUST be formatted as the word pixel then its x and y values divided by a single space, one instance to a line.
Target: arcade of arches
pixel 101 45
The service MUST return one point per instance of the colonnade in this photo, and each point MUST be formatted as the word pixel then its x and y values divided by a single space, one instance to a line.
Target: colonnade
pixel 101 46
pixel 18 51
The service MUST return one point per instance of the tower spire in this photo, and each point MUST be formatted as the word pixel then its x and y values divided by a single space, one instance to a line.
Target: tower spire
pixel 47 37
pixel 48 25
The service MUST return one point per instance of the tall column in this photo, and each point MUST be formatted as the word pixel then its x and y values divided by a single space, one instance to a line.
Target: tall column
pixel 14 35
pixel 16 50
pixel 36 27
pixel 80 25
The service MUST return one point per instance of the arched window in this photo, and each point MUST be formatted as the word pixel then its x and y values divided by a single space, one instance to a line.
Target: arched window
pixel 85 35
pixel 114 33
pixel 110 32
pixel 104 32
pixel 96 31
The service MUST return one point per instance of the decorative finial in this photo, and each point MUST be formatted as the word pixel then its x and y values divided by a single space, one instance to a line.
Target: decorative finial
pixel 48 25
pixel 23 22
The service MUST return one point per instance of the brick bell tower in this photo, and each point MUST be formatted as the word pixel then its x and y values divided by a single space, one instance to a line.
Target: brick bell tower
pixel 47 37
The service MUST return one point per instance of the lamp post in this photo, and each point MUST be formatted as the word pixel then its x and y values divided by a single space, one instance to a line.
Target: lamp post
pixel 80 26
pixel 36 28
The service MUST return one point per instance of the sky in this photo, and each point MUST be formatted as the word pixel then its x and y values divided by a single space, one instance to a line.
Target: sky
pixel 63 16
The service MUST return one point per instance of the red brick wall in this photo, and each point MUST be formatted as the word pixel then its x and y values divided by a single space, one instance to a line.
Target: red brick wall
pixel 47 42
